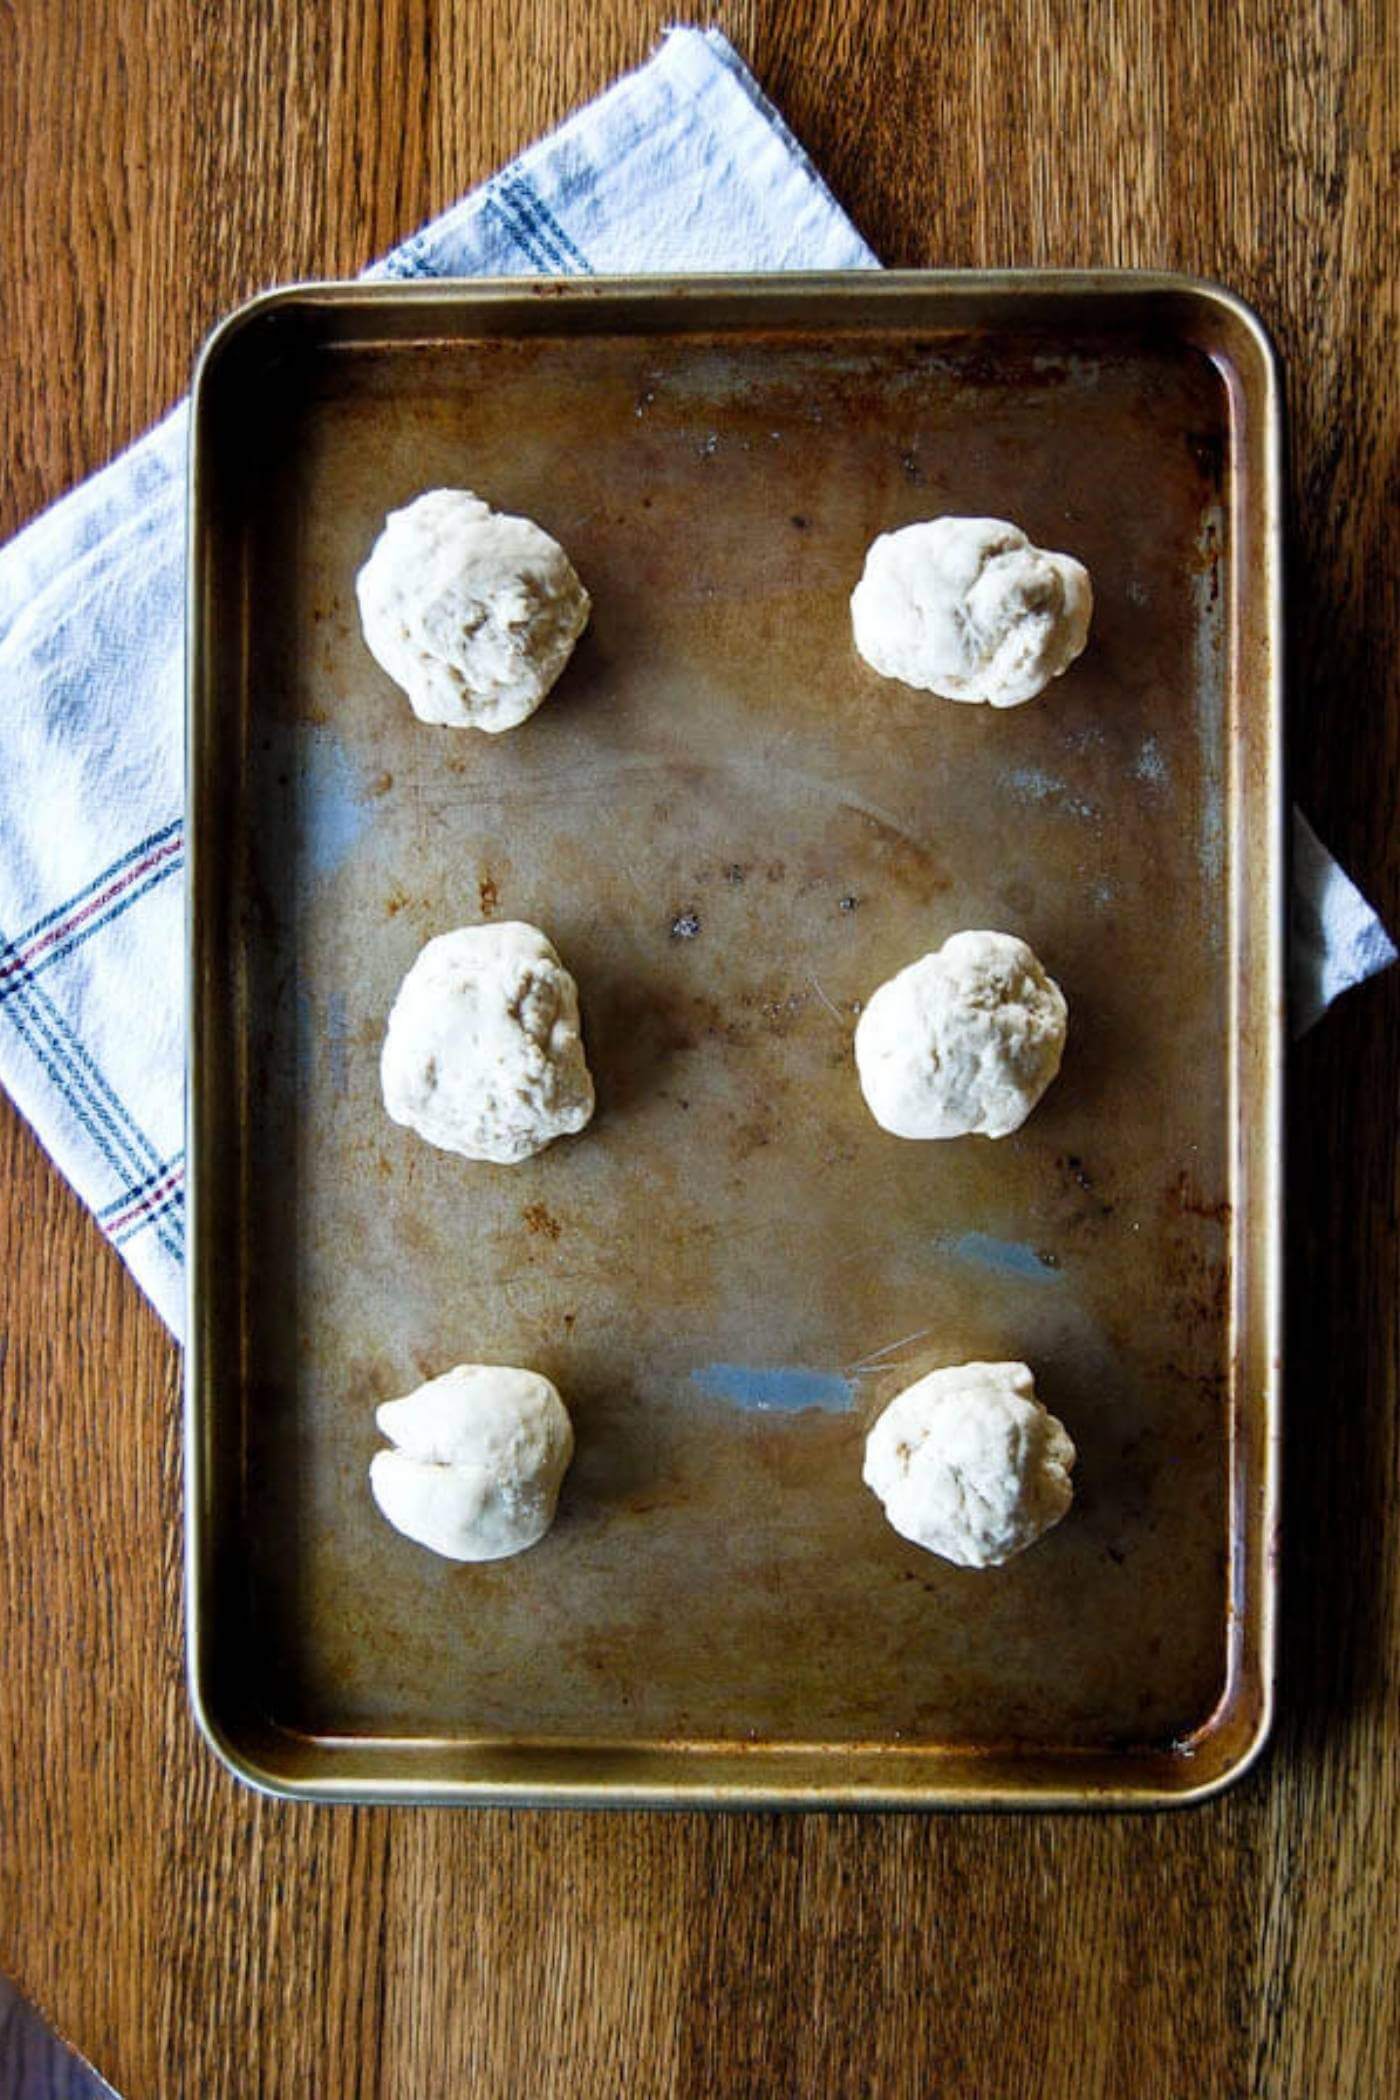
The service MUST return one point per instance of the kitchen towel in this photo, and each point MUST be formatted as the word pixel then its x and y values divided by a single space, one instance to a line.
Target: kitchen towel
pixel 682 166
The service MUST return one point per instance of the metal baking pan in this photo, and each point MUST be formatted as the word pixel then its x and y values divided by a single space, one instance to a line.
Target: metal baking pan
pixel 733 830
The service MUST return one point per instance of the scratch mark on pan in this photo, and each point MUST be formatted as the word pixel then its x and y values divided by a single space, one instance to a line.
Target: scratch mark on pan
pixel 443 797
pixel 830 1004
pixel 1007 1257
pixel 880 1356
pixel 881 820
pixel 337 1040
pixel 775 1391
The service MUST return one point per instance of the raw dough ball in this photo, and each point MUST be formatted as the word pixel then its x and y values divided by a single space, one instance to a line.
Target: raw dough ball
pixel 970 1464
pixel 964 1040
pixel 968 608
pixel 483 1054
pixel 479 1456
pixel 473 613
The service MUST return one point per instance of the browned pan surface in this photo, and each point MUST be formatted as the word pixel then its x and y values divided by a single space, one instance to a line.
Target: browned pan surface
pixel 733 830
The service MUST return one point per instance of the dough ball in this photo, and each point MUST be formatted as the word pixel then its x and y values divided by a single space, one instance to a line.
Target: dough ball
pixel 969 1464
pixel 483 1054
pixel 968 608
pixel 964 1041
pixel 478 1458
pixel 473 613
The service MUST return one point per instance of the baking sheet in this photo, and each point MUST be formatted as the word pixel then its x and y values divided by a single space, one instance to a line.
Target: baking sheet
pixel 733 831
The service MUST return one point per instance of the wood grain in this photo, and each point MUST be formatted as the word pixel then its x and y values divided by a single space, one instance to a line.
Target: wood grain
pixel 158 162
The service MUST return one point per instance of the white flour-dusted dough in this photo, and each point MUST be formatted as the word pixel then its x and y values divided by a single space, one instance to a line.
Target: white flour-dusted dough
pixel 962 1042
pixel 472 612
pixel 479 1455
pixel 969 609
pixel 483 1054
pixel 969 1464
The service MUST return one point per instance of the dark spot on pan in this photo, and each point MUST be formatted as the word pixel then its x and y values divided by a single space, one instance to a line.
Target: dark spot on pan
pixel 734 874
pixel 1077 1176
pixel 685 926
pixel 1210 558
pixel 752 1137
pixel 542 1221
pixel 1185 1197
pixel 395 902
pixel 1209 1381
pixel 489 895
pixel 381 784
pixel 849 904
pixel 799 521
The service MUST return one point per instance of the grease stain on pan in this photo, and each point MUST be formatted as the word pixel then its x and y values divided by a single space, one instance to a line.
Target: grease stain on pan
pixel 1006 1257
pixel 784 1390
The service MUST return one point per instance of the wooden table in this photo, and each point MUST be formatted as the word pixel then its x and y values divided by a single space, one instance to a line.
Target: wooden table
pixel 157 163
